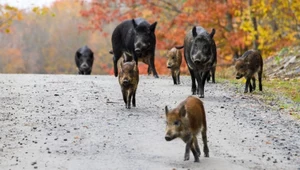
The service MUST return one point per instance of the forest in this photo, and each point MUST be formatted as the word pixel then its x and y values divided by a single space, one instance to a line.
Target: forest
pixel 43 40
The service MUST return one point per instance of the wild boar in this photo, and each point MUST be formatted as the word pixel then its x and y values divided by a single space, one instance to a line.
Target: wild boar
pixel 200 55
pixel 84 58
pixel 185 122
pixel 247 65
pixel 135 38
pixel 174 61
pixel 128 80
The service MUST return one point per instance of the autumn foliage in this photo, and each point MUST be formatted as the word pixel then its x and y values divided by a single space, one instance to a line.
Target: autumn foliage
pixel 44 40
pixel 264 25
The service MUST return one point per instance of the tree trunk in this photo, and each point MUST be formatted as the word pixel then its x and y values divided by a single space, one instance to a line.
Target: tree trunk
pixel 254 22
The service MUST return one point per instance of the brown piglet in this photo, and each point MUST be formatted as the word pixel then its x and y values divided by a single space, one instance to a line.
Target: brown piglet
pixel 128 80
pixel 185 122
pixel 247 65
pixel 174 61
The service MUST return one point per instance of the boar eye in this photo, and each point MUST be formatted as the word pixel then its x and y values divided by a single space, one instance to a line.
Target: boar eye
pixel 177 123
pixel 173 57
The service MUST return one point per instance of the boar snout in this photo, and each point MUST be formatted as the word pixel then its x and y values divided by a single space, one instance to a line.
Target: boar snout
pixel 138 51
pixel 169 65
pixel 84 66
pixel 168 138
pixel 197 61
pixel 126 82
pixel 139 47
pixel 238 76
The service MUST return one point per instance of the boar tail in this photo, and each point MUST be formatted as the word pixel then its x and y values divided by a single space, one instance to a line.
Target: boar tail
pixel 213 31
pixel 179 47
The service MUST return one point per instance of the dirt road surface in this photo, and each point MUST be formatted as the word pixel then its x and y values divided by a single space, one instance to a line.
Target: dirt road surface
pixel 72 122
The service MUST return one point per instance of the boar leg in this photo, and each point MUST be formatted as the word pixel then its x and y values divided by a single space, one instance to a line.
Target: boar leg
pixel 202 83
pixel 117 56
pixel 259 80
pixel 129 96
pixel 149 70
pixel 247 85
pixel 208 77
pixel 187 150
pixel 153 66
pixel 174 77
pixel 250 86
pixel 253 83
pixel 133 98
pixel 204 139
pixel 178 76
pixel 193 81
pixel 196 145
pixel 213 72
pixel 198 76
pixel 124 92
pixel 194 151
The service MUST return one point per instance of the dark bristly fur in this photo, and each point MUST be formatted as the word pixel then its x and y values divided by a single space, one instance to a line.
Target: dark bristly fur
pixel 84 58
pixel 135 39
pixel 246 66
pixel 200 55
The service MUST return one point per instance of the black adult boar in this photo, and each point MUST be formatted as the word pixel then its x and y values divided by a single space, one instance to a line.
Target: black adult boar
pixel 84 59
pixel 200 55
pixel 247 65
pixel 136 39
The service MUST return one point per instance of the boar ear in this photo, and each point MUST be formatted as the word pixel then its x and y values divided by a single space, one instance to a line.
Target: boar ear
pixel 182 111
pixel 179 47
pixel 194 31
pixel 153 26
pixel 134 23
pixel 78 54
pixel 213 31
pixel 166 110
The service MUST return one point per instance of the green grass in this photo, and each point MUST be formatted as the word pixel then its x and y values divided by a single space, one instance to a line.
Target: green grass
pixel 289 88
pixel 279 94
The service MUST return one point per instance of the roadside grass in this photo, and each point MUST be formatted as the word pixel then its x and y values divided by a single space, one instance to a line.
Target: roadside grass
pixel 283 95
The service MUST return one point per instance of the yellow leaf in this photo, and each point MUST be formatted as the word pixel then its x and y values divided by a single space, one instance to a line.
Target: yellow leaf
pixel 35 9
pixel 19 16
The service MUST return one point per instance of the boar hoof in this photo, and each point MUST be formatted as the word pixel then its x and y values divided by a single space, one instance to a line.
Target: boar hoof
pixel 246 91
pixel 206 155
pixel 186 157
pixel 201 96
pixel 197 159
pixel 156 76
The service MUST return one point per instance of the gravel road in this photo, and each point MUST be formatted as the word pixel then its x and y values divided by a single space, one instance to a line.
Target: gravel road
pixel 73 122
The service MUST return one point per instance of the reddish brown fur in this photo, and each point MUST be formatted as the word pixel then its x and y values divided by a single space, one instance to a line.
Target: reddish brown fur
pixel 174 61
pixel 247 65
pixel 185 122
pixel 128 80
